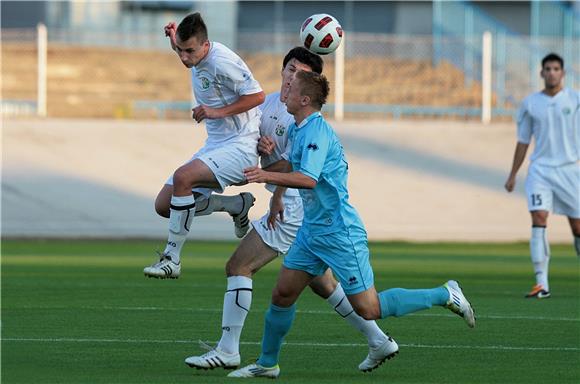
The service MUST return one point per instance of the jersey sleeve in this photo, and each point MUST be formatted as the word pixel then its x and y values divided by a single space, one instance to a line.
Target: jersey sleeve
pixel 314 152
pixel 236 75
pixel 524 122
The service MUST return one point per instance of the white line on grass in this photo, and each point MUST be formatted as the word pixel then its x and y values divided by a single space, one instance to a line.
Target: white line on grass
pixel 296 344
pixel 313 312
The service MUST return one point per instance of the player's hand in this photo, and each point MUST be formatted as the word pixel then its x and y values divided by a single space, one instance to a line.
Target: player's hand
pixel 170 29
pixel 266 146
pixel 276 210
pixel 256 175
pixel 510 184
pixel 202 112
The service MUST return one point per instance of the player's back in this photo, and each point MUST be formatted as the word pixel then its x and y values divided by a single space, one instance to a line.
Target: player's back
pixel 219 80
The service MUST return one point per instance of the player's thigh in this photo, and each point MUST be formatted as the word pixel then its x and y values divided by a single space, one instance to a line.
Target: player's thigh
pixel 163 200
pixel 290 284
pixel 228 162
pixel 539 189
pixel 302 257
pixel 324 285
pixel 194 174
pixel 366 304
pixel 250 256
pixel 347 254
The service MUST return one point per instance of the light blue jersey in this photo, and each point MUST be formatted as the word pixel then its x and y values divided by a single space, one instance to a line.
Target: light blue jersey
pixel 317 153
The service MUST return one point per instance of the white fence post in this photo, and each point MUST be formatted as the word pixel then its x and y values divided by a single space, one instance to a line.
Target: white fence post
pixel 486 78
pixel 41 86
pixel 339 81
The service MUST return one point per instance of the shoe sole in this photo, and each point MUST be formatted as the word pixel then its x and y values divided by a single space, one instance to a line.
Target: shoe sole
pixel 226 367
pixel 251 204
pixel 162 277
pixel 388 357
pixel 470 306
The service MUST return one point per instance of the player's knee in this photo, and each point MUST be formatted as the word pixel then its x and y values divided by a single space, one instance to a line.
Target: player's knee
pixel 234 268
pixel 540 218
pixel 181 178
pixel 283 297
pixel 162 209
pixel 367 312
pixel 323 287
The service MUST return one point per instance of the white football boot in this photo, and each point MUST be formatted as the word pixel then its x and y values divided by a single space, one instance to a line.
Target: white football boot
pixel 165 268
pixel 458 303
pixel 377 355
pixel 214 358
pixel 256 370
pixel 241 221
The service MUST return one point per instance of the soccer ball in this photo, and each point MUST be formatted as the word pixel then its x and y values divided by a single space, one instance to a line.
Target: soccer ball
pixel 321 34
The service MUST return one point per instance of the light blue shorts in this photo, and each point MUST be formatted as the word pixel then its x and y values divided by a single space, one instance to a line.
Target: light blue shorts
pixel 345 252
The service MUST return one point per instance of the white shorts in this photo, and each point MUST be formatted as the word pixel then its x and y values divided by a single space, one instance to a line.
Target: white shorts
pixel 227 163
pixel 555 189
pixel 281 238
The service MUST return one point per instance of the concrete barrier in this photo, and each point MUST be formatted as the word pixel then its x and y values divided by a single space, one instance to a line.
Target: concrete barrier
pixel 410 180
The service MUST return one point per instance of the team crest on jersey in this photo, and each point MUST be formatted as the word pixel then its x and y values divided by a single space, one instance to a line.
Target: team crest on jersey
pixel 566 110
pixel 280 129
pixel 204 83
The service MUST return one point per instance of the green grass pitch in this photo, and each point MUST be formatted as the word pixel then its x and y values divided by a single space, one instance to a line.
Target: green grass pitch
pixel 82 312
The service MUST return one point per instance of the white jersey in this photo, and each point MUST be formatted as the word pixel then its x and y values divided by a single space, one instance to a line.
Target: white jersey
pixel 555 124
pixel 275 121
pixel 219 80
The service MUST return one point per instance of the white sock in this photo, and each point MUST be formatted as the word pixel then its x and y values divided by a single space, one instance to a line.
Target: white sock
pixel 219 203
pixel 181 213
pixel 540 254
pixel 237 302
pixel 369 328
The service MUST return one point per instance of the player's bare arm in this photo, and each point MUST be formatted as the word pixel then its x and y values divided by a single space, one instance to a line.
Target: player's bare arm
pixel 170 29
pixel 276 207
pixel 290 180
pixel 243 104
pixel 519 156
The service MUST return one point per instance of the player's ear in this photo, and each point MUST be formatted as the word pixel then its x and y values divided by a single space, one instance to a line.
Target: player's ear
pixel 305 100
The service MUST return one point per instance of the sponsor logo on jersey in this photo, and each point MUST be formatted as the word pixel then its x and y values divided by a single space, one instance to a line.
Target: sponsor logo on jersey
pixel 280 129
pixel 566 110
pixel 312 146
pixel 204 83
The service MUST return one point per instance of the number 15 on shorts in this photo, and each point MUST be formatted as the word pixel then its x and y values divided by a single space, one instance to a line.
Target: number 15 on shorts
pixel 536 200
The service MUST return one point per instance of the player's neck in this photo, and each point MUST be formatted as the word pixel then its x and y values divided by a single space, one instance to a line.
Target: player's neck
pixel 553 91
pixel 301 115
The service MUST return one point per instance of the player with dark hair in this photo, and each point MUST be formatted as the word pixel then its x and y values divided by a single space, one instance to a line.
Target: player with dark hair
pixel 228 97
pixel 273 234
pixel 552 118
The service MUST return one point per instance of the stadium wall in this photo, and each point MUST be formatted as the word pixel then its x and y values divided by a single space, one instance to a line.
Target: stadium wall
pixel 410 180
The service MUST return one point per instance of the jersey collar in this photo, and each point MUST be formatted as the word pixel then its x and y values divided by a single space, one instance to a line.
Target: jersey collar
pixel 313 116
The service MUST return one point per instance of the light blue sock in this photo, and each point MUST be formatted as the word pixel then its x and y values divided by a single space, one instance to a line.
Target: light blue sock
pixel 399 302
pixel 278 323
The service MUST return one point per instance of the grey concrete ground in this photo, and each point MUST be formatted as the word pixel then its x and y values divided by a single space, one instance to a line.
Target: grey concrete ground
pixel 410 180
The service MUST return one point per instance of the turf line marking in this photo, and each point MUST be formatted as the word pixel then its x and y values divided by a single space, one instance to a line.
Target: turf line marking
pixel 296 344
pixel 313 312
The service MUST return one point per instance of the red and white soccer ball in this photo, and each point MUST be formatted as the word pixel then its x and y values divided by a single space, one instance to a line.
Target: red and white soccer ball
pixel 321 34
